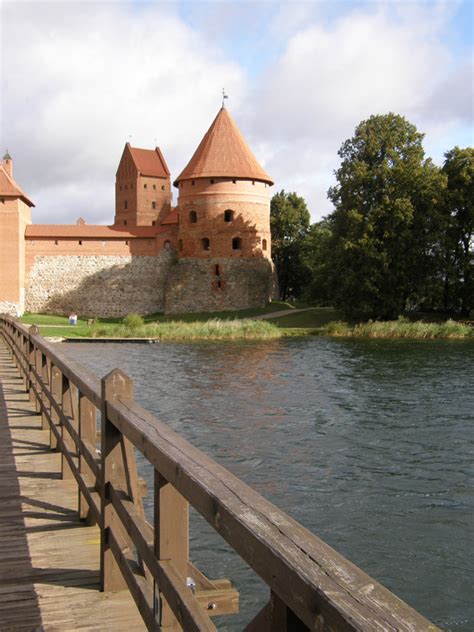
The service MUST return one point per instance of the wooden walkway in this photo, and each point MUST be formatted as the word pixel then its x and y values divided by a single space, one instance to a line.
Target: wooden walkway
pixel 49 559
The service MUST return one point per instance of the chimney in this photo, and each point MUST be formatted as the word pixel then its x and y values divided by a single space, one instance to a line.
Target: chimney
pixel 8 164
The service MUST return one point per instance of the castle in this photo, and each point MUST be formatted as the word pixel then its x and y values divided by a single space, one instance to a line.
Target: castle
pixel 211 252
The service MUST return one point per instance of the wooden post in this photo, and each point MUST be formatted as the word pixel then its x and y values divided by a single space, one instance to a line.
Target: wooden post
pixel 171 522
pixel 56 381
pixel 68 410
pixel 33 330
pixel 38 368
pixel 44 376
pixel 87 431
pixel 115 385
pixel 282 619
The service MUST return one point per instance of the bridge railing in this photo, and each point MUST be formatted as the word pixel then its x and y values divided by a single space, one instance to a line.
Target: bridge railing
pixel 311 586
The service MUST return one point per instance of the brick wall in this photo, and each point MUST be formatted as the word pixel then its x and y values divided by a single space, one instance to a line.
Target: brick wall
pixel 98 285
pixel 218 284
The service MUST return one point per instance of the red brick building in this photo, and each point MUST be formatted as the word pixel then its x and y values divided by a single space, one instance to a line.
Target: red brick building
pixel 211 252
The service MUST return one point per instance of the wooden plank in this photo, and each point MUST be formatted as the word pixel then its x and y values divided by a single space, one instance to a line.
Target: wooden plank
pixel 49 560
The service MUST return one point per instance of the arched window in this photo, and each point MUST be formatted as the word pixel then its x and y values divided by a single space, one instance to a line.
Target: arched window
pixel 125 205
pixel 153 205
pixel 216 269
pixel 205 243
pixel 228 215
pixel 237 243
pixel 167 244
pixel 264 244
pixel 193 218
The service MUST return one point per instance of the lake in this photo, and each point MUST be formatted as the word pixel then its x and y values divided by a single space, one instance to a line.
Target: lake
pixel 369 444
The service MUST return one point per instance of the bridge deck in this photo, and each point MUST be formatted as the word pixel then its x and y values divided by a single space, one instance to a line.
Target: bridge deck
pixel 49 559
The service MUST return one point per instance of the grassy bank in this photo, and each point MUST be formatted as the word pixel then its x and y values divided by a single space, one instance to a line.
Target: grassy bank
pixel 399 329
pixel 320 321
pixel 212 329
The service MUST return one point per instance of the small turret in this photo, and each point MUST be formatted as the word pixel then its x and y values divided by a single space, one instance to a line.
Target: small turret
pixel 8 164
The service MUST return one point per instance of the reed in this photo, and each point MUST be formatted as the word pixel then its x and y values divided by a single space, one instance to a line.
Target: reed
pixel 401 328
pixel 213 329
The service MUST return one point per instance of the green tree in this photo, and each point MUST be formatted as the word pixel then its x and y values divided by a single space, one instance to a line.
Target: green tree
pixel 459 200
pixel 289 223
pixel 315 252
pixel 387 227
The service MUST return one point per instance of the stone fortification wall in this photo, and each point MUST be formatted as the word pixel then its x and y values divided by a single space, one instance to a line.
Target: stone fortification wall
pixel 219 284
pixel 103 286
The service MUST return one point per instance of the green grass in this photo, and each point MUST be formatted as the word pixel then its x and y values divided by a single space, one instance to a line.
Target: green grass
pixel 58 326
pixel 307 322
pixel 212 329
pixel 229 325
pixel 401 328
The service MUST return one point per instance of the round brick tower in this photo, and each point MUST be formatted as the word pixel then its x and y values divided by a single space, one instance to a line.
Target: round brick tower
pixel 224 226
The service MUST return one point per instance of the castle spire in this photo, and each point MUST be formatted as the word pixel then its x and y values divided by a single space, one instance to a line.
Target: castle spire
pixel 223 153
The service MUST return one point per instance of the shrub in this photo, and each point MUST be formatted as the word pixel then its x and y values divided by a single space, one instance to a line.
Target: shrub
pixel 133 321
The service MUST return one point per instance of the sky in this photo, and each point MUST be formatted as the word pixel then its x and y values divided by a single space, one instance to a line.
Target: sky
pixel 80 79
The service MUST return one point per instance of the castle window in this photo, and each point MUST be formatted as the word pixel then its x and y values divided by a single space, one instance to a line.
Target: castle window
pixel 125 205
pixel 131 186
pixel 192 183
pixel 193 218
pixel 120 187
pixel 154 186
pixel 163 187
pixel 205 243
pixel 153 205
pixel 167 244
pixel 126 186
pixel 56 242
pixel 264 244
pixel 216 269
pixel 180 244
pixel 237 243
pixel 145 186
pixel 153 223
pixel 124 222
pixel 126 242
pixel 219 285
pixel 80 242
pixel 253 182
pixel 233 181
pixel 228 215
pixel 212 181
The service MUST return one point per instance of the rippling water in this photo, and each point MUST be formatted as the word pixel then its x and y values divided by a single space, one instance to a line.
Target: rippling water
pixel 369 444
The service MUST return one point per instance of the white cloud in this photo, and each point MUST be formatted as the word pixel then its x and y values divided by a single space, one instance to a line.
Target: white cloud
pixel 79 78
pixel 332 76
pixel 82 78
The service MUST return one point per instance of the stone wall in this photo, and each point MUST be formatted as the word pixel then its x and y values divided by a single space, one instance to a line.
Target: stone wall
pixel 102 285
pixel 219 284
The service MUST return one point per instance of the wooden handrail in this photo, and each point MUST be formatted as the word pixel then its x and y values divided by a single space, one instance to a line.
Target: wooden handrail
pixel 312 587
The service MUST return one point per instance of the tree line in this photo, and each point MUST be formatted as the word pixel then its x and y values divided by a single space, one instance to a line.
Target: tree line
pixel 400 237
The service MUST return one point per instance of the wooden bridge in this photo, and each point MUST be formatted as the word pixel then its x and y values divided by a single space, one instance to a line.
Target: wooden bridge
pixel 76 550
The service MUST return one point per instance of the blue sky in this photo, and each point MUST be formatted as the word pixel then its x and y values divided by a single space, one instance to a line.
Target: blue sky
pixel 300 76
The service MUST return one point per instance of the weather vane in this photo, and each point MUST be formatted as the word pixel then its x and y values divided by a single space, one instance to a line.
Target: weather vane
pixel 224 96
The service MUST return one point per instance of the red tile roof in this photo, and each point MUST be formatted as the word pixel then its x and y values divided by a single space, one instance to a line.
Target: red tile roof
pixel 149 162
pixel 9 188
pixel 171 218
pixel 223 152
pixel 90 231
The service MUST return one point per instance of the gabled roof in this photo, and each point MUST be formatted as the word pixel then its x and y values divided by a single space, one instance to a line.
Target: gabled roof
pixel 149 162
pixel 223 152
pixel 9 188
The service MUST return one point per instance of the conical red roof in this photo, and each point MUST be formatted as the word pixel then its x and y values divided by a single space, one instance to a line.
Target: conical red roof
pixel 223 153
pixel 9 188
